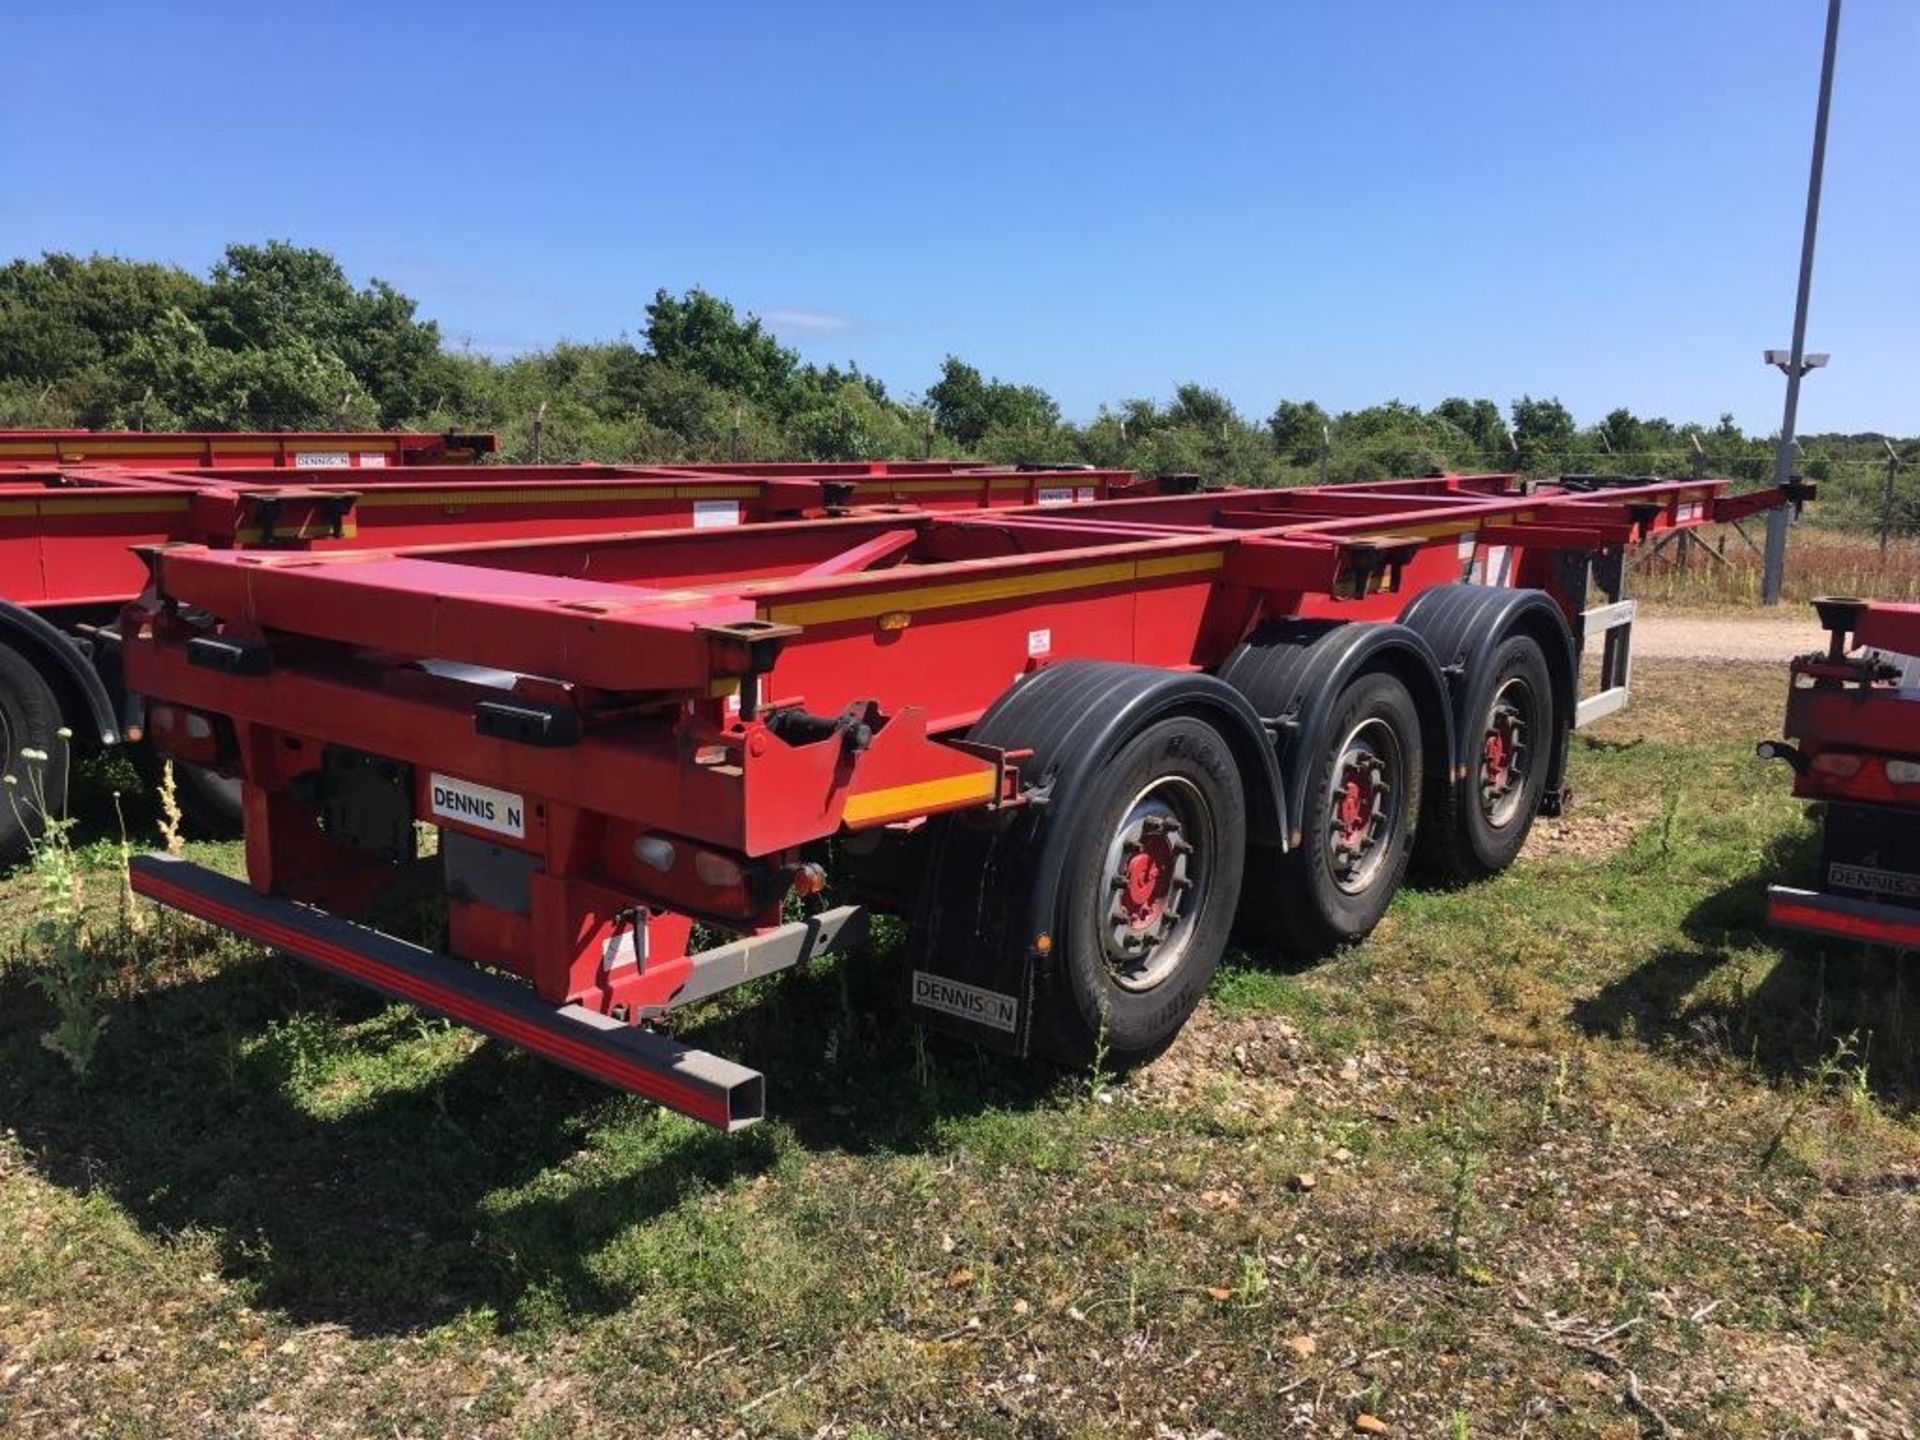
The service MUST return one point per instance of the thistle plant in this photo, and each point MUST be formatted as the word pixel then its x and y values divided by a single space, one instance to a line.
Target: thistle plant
pixel 70 970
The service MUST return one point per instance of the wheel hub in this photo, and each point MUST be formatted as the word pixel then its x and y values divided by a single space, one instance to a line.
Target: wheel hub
pixel 1363 789
pixel 1152 878
pixel 1359 808
pixel 1504 753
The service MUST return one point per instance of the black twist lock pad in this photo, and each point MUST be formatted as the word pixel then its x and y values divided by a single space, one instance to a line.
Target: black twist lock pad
pixel 1871 852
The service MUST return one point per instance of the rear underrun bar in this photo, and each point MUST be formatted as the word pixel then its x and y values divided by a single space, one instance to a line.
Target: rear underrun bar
pixel 1843 917
pixel 711 1089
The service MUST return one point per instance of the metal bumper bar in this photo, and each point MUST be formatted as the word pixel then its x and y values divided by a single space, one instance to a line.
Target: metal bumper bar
pixel 707 1087
pixel 1843 917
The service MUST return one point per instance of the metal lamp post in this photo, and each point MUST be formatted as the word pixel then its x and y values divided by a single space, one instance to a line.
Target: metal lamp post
pixel 1796 362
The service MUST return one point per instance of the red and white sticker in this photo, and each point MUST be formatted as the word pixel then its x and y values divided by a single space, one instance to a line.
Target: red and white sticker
pixel 1039 642
pixel 372 459
pixel 1495 566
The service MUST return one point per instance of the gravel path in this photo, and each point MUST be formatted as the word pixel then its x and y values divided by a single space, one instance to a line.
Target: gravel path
pixel 1738 635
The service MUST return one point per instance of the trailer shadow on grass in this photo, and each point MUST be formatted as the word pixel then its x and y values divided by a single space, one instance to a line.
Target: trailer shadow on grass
pixel 1784 1003
pixel 358 1165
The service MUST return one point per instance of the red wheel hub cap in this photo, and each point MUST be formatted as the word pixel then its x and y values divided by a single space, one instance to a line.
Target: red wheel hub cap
pixel 1354 812
pixel 1149 877
pixel 1498 759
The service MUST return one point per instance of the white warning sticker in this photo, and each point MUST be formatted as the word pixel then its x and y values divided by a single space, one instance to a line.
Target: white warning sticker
pixel 715 514
pixel 969 1002
pixel 481 806
pixel 1039 642
pixel 372 459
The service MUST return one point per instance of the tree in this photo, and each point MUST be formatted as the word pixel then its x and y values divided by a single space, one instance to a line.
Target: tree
pixel 1196 405
pixel 1479 421
pixel 1299 429
pixel 197 385
pixel 1543 429
pixel 1624 434
pixel 966 406
pixel 266 297
pixel 702 335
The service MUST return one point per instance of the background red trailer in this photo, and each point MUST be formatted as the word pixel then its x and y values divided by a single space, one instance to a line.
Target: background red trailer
pixel 329 450
pixel 1855 713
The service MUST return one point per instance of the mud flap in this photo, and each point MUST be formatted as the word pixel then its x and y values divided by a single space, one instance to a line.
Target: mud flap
pixel 975 973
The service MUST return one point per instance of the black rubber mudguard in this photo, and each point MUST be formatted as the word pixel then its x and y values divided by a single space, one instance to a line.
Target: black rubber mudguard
pixel 1293 672
pixel 979 970
pixel 67 666
pixel 1464 624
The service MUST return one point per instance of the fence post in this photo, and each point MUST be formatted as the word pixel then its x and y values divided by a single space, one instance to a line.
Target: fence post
pixel 1886 499
pixel 539 423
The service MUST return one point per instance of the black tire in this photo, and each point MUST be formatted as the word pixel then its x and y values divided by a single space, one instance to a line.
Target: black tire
pixel 1477 828
pixel 1325 893
pixel 1129 1006
pixel 30 719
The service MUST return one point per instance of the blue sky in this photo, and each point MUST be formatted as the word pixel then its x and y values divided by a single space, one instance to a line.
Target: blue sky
pixel 1347 202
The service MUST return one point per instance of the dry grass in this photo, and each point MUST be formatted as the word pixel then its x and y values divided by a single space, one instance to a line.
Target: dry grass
pixel 1583 1151
pixel 1820 561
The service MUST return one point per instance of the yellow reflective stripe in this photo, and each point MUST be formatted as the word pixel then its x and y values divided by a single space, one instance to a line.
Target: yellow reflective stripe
pixel 78 447
pixel 921 487
pixel 96 504
pixel 1155 566
pixel 529 495
pixel 917 798
pixel 977 592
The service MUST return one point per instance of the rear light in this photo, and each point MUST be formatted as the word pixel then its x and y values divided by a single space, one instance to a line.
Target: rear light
pixel 1904 772
pixel 184 734
pixel 656 851
pixel 1837 764
pixel 718 871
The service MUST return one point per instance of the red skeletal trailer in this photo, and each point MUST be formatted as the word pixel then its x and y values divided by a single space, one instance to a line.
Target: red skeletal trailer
pixel 1076 747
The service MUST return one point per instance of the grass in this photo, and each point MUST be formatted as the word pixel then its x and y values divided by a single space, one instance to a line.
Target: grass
pixel 1821 560
pixel 1582 1151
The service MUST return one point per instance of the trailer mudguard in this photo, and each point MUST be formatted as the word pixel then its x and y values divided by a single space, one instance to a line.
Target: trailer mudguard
pixel 1464 624
pixel 67 668
pixel 981 967
pixel 1292 672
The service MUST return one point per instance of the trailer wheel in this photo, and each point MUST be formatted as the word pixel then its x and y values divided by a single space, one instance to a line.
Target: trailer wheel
pixel 30 719
pixel 1488 814
pixel 1361 798
pixel 1148 896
